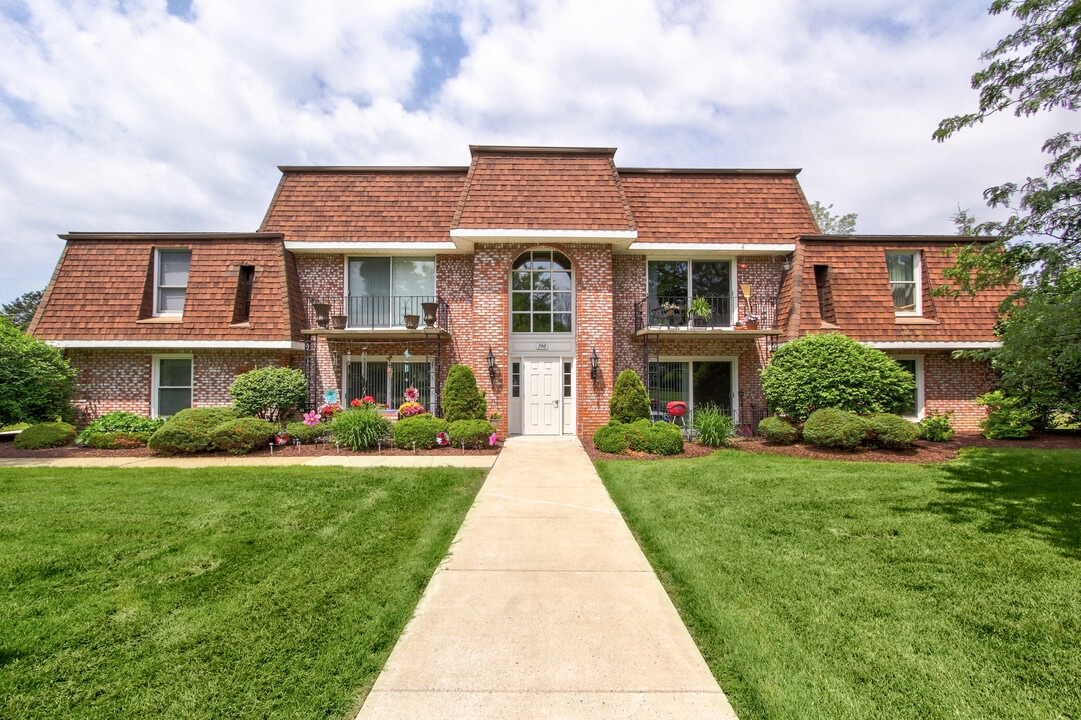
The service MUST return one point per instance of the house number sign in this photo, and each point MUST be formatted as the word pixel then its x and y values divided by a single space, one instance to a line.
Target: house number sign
pixel 542 346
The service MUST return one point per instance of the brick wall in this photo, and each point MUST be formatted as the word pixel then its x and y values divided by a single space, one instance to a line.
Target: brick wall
pixel 952 385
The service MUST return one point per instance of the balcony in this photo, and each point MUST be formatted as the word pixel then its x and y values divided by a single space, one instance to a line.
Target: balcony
pixel 368 315
pixel 740 315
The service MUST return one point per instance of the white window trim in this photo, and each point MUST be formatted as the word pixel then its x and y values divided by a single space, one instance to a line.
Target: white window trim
pixel 917 279
pixel 733 390
pixel 733 270
pixel 158 312
pixel 155 378
pixel 358 256
pixel 553 337
pixel 920 409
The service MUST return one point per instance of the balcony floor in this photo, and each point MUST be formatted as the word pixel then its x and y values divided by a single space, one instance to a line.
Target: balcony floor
pixel 393 332
pixel 683 331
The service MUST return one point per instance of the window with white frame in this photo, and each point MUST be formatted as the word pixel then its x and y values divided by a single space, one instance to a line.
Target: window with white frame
pixel 383 290
pixel 904 273
pixel 172 385
pixel 673 284
pixel 913 409
pixel 171 280
pixel 542 293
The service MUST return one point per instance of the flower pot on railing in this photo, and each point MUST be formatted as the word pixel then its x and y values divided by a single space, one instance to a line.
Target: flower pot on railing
pixel 429 309
pixel 322 314
pixel 412 321
pixel 751 324
pixel 338 322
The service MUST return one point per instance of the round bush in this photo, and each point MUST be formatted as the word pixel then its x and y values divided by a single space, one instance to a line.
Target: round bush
pixel 189 431
pixel 629 401
pixel 661 439
pixel 359 428
pixel 714 426
pixel 610 439
pixel 419 429
pixel 833 428
pixel 461 398
pixel 890 431
pixel 937 427
pixel 474 433
pixel 118 440
pixel 778 431
pixel 271 393
pixel 120 421
pixel 307 434
pixel 242 435
pixel 45 435
pixel 834 371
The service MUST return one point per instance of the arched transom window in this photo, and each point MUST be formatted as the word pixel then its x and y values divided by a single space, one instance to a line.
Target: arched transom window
pixel 542 294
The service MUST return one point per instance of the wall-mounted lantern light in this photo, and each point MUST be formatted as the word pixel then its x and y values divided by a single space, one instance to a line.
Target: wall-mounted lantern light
pixel 491 364
pixel 594 365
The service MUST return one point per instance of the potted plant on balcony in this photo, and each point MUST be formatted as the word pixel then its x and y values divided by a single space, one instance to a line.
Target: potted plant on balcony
pixel 752 321
pixel 429 309
pixel 322 313
pixel 412 321
pixel 702 310
pixel 338 322
pixel 671 312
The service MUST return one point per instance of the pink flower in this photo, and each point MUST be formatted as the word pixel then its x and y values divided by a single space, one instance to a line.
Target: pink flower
pixel 412 394
pixel 492 439
pixel 312 418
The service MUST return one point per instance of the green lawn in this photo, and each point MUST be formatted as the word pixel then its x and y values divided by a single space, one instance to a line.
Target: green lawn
pixel 240 592
pixel 821 589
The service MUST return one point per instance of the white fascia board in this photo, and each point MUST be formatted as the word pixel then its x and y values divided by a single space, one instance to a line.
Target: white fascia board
pixel 933 345
pixel 496 233
pixel 746 248
pixel 180 344
pixel 353 247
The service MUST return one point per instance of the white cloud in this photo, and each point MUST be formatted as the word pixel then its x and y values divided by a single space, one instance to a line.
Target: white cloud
pixel 123 117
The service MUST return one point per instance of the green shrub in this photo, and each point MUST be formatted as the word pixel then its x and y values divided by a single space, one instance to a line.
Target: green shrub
pixel 419 429
pixel 833 428
pixel 474 433
pixel 271 393
pixel 610 438
pixel 714 426
pixel 307 434
pixel 629 401
pixel 45 435
pixel 461 398
pixel 359 428
pixel 120 421
pixel 242 435
pixel 35 379
pixel 834 371
pixel 189 431
pixel 890 431
pixel 118 440
pixel 661 438
pixel 937 427
pixel 1007 417
pixel 778 431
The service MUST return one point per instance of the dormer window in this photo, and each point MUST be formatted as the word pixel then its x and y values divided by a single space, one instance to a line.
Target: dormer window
pixel 904 273
pixel 171 281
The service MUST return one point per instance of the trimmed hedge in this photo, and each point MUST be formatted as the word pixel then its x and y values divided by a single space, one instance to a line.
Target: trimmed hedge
pixel 45 435
pixel 242 435
pixel 270 392
pixel 833 428
pixel 461 398
pixel 640 436
pixel 307 434
pixel 610 439
pixel 778 431
pixel 629 401
pixel 419 429
pixel 474 433
pixel 118 440
pixel 890 431
pixel 189 431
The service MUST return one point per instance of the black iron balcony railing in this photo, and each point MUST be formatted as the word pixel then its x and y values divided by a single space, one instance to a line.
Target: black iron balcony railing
pixel 376 312
pixel 706 312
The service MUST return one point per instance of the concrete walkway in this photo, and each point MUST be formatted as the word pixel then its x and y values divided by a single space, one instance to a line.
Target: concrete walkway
pixel 545 608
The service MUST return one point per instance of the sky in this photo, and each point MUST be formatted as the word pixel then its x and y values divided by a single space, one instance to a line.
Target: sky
pixel 173 115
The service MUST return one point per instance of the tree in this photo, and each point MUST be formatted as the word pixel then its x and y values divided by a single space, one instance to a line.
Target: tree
pixel 629 401
pixel 831 224
pixel 21 310
pixel 35 380
pixel 834 371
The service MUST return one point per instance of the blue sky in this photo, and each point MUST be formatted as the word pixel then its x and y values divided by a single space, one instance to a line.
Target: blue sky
pixel 172 115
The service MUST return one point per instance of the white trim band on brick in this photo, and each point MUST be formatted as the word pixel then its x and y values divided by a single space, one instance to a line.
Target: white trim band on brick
pixel 933 345
pixel 350 247
pixel 712 247
pixel 492 233
pixel 180 344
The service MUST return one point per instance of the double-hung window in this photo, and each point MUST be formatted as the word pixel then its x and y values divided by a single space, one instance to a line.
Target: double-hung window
pixel 904 272
pixel 383 290
pixel 172 385
pixel 171 281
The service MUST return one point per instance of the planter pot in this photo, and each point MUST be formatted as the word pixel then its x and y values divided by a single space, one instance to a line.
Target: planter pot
pixel 752 324
pixel 412 321
pixel 322 314
pixel 429 309
pixel 338 322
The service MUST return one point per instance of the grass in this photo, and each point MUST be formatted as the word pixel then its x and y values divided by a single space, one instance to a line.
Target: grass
pixel 820 589
pixel 240 592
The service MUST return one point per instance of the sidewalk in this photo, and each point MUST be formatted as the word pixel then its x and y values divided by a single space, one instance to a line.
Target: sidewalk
pixel 545 608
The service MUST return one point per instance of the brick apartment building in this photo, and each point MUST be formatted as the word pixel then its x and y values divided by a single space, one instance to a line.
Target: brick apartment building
pixel 547 270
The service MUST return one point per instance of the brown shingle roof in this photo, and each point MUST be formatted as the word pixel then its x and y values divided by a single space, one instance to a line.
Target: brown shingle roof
pixel 719 206
pixel 861 292
pixel 543 188
pixel 103 286
pixel 365 204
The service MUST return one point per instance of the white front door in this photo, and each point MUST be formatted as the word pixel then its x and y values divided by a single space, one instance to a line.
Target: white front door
pixel 543 397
